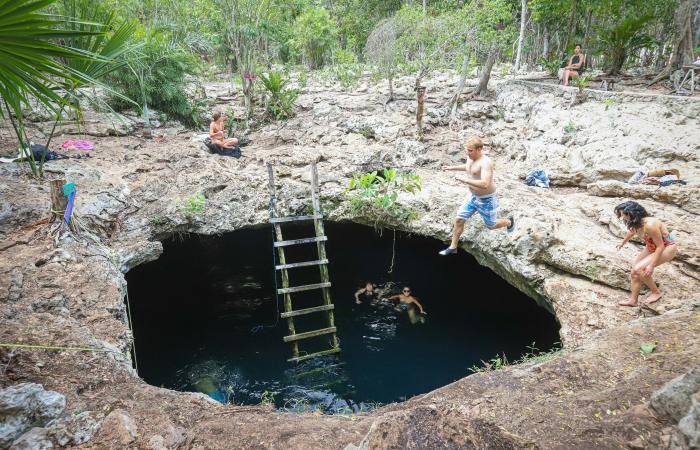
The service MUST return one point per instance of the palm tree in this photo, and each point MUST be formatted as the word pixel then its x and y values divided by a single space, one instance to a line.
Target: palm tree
pixel 42 60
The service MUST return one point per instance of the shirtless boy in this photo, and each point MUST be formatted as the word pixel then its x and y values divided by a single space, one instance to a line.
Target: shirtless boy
pixel 484 199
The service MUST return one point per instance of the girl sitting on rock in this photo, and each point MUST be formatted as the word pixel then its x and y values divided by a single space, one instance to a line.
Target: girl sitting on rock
pixel 218 134
pixel 660 248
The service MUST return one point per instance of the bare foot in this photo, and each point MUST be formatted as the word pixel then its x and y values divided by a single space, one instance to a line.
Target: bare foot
pixel 654 297
pixel 627 303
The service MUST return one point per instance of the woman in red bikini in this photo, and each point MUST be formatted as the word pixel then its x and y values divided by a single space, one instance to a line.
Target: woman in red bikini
pixel 660 248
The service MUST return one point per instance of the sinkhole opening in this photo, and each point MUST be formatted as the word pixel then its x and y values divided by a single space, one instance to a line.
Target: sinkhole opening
pixel 205 318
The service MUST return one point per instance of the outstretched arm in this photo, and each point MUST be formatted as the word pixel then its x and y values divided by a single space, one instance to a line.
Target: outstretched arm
pixel 458 168
pixel 417 303
pixel 357 295
pixel 393 298
pixel 628 236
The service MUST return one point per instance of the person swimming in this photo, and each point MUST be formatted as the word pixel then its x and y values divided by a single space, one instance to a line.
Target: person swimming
pixel 368 294
pixel 406 302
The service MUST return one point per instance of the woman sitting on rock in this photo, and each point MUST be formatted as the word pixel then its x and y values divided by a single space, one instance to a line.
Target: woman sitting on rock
pixel 660 248
pixel 217 133
pixel 575 67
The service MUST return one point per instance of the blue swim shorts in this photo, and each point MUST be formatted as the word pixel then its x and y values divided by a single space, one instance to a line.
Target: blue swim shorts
pixel 485 205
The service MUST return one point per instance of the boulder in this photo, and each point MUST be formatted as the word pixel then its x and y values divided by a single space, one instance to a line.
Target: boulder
pixel 674 399
pixel 34 439
pixel 24 406
pixel 118 429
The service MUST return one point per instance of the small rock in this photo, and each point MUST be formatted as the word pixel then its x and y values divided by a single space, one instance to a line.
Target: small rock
pixel 689 426
pixel 157 443
pixel 118 427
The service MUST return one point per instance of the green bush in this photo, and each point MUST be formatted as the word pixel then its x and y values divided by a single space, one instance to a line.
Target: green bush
pixel 314 37
pixel 155 77
pixel 281 101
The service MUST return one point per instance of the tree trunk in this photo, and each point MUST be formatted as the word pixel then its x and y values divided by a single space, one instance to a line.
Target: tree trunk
pixel 682 48
pixel 545 45
pixel 420 107
pixel 570 28
pixel 391 88
pixel 619 55
pixel 586 39
pixel 58 200
pixel 425 7
pixel 452 105
pixel 482 88
pixel 521 38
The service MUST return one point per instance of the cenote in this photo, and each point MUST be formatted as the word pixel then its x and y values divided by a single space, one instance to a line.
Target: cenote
pixel 205 318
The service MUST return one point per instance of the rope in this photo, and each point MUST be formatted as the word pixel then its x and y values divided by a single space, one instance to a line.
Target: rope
pixel 53 347
pixel 131 328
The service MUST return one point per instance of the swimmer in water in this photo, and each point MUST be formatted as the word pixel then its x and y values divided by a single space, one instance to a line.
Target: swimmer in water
pixel 368 294
pixel 406 302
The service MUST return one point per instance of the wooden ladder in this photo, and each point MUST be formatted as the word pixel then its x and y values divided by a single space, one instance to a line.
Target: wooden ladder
pixel 322 262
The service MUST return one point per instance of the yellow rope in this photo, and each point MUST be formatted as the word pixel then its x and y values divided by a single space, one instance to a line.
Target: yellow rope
pixel 50 347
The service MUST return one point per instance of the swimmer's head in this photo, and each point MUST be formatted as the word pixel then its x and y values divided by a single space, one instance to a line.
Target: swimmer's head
pixel 474 147
pixel 369 286
pixel 406 290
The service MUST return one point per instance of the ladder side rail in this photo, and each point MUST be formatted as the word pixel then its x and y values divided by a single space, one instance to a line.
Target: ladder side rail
pixel 281 257
pixel 323 269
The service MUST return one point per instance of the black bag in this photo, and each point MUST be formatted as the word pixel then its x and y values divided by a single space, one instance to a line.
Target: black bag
pixel 40 151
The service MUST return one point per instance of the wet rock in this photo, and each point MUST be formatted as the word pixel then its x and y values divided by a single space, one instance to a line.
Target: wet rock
pixel 34 439
pixel 26 405
pixel 674 399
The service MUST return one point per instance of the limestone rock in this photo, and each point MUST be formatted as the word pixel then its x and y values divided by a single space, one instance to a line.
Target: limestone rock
pixel 118 428
pixel 34 439
pixel 689 427
pixel 26 405
pixel 75 429
pixel 674 399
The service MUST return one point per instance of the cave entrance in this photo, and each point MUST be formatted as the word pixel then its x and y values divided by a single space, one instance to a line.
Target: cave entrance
pixel 205 319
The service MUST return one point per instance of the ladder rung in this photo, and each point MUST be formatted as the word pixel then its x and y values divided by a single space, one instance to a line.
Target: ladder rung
pixel 313 355
pixel 295 218
pixel 318 262
pixel 306 287
pixel 301 312
pixel 308 334
pixel 301 241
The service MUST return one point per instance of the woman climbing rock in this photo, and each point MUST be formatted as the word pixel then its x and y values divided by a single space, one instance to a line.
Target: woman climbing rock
pixel 660 248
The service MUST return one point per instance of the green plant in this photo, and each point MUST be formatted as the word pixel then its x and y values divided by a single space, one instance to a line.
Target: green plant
pixel 193 205
pixel 550 65
pixel 500 112
pixel 375 195
pixel 570 127
pixel 157 220
pixel 592 272
pixel 608 102
pixel 532 355
pixel 314 37
pixel 35 66
pixel 623 39
pixel 267 399
pixel 582 82
pixel 280 105
pixel 155 76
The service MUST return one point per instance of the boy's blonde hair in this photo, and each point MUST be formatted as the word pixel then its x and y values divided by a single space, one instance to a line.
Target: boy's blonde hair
pixel 475 142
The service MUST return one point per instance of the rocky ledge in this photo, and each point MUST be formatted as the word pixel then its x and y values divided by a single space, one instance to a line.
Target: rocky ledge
pixel 595 393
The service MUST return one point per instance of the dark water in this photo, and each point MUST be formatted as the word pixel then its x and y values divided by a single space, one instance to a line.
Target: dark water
pixel 204 318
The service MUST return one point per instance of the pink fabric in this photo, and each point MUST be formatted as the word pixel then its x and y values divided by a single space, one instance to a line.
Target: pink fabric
pixel 80 144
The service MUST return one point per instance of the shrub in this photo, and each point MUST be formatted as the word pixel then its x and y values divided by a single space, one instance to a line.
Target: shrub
pixel 314 37
pixel 155 77
pixel 281 102
pixel 375 195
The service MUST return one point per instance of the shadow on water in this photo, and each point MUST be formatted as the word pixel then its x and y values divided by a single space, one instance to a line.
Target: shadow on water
pixel 205 319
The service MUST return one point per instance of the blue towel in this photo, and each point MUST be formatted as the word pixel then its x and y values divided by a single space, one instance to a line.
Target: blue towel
pixel 537 178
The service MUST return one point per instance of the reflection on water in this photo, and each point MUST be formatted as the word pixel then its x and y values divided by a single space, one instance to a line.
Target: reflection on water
pixel 206 320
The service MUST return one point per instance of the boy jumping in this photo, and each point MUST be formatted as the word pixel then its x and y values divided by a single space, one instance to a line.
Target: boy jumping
pixel 484 199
